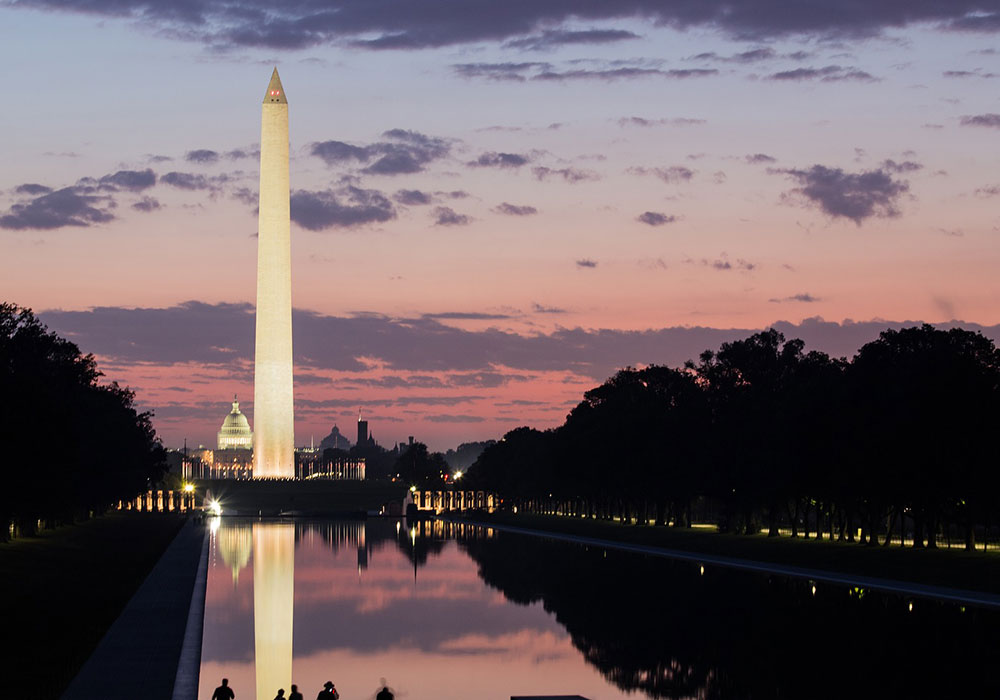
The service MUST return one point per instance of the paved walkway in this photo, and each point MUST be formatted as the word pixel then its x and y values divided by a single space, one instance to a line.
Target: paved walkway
pixel 139 655
pixel 956 595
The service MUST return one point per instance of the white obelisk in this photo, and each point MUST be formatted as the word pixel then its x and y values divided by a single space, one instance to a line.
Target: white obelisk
pixel 274 421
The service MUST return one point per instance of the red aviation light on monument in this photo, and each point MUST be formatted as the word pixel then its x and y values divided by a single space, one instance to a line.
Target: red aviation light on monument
pixel 275 92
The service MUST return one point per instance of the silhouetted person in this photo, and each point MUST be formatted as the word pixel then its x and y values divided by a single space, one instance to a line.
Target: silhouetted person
pixel 329 692
pixel 280 695
pixel 295 694
pixel 384 694
pixel 224 692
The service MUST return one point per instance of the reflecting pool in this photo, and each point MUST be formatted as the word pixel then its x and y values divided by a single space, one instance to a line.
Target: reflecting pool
pixel 454 611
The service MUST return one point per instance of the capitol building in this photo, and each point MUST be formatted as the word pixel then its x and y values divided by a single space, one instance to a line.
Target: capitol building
pixel 235 432
pixel 232 457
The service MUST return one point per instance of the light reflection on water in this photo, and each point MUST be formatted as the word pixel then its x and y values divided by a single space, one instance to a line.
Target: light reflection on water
pixel 447 611
pixel 372 601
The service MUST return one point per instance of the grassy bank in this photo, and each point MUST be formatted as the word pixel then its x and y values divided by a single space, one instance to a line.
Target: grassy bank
pixel 60 591
pixel 977 571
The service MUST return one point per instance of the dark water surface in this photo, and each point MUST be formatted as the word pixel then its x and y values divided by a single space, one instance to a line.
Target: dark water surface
pixel 446 612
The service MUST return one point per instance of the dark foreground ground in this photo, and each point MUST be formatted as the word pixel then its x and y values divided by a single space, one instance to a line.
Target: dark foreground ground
pixel 60 592
pixel 951 568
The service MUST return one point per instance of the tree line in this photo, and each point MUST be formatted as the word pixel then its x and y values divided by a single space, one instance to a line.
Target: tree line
pixel 73 446
pixel 897 443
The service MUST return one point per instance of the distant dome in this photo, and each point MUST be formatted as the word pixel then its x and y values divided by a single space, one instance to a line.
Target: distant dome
pixel 235 431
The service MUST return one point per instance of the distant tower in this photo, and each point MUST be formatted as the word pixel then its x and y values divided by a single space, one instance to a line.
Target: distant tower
pixel 274 420
pixel 362 431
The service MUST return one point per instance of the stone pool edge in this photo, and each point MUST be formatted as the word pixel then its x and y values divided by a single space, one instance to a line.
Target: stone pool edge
pixel 189 664
pixel 140 654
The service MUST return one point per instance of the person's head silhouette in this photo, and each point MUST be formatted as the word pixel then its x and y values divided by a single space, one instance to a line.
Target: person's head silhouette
pixel 225 681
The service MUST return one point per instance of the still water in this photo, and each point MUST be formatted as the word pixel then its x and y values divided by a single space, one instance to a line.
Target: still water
pixel 443 612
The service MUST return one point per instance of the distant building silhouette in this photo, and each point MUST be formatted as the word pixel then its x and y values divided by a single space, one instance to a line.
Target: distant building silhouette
pixel 335 441
pixel 365 439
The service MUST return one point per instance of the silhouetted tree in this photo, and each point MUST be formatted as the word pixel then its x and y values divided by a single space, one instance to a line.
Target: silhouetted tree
pixel 762 433
pixel 418 467
pixel 106 450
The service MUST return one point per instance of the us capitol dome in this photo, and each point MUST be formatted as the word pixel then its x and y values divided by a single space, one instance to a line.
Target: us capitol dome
pixel 235 432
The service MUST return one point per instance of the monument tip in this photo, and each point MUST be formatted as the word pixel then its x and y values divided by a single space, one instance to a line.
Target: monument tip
pixel 275 93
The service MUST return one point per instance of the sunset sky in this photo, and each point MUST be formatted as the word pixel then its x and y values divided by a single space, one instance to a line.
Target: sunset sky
pixel 495 205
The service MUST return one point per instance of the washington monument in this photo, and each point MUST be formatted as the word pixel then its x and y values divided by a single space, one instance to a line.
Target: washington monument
pixel 274 421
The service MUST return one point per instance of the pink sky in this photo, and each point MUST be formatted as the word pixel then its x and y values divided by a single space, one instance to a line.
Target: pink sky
pixel 659 172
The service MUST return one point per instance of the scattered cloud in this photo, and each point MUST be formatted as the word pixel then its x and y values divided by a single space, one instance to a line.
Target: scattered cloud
pixel 500 160
pixel 466 316
pixel 572 175
pixel 952 232
pixel 454 418
pixel 540 309
pixel 90 201
pixel 514 209
pixel 605 71
pixel 666 121
pixel 968 74
pixel 854 196
pixel 222 335
pixel 672 175
pixel 131 180
pixel 412 198
pixel 906 166
pixel 586 263
pixel 758 158
pixel 147 204
pixel 988 191
pixel 347 207
pixel 402 152
pixel 420 24
pixel 749 56
pixel 804 297
pixel 69 206
pixel 202 155
pixel 655 218
pixel 989 120
pixel 32 188
pixel 240 153
pixel 724 264
pixel 554 38
pixel 827 74
pixel 609 74
pixel 446 216
pixel 187 181
pixel 507 71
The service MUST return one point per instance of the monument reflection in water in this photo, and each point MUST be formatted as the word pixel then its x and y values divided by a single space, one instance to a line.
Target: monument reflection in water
pixel 273 602
pixel 445 612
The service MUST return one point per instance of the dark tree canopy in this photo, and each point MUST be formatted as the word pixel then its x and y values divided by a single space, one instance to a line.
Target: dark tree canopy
pixel 74 446
pixel 761 434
